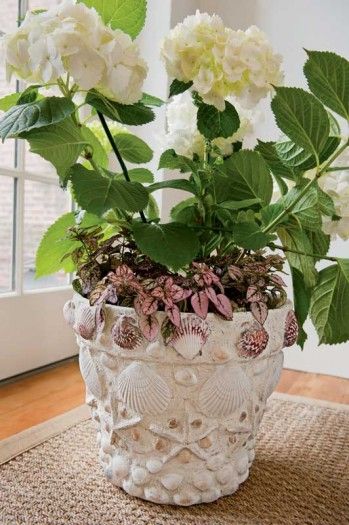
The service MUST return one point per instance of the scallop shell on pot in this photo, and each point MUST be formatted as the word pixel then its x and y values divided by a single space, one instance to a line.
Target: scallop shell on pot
pixel 89 320
pixel 69 312
pixel 189 339
pixel 291 329
pixel 91 373
pixel 252 342
pixel 126 334
pixel 143 390
pixel 224 392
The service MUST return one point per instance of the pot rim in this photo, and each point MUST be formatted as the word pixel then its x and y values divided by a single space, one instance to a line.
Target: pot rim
pixel 210 316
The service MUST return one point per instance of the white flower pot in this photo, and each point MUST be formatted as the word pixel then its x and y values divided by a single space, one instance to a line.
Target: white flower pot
pixel 177 423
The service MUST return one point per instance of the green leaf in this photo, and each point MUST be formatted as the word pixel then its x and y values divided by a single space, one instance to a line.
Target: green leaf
pixel 239 205
pixel 249 235
pixel 213 123
pixel 9 101
pixel 33 115
pixel 127 15
pixel 274 162
pixel 173 245
pixel 272 211
pixel 301 301
pixel 177 184
pixel 97 193
pixel 306 210
pixel 249 175
pixel 54 245
pixel 60 144
pixel 152 210
pixel 133 149
pixel 320 242
pixel 150 100
pixel 30 94
pixel 330 303
pixel 302 118
pixel 296 157
pixel 132 115
pixel 184 211
pixel 328 78
pixel 141 175
pixel 170 160
pixel 99 154
pixel 294 237
pixel 177 87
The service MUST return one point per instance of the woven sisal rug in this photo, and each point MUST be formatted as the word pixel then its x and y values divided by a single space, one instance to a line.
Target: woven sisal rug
pixel 300 475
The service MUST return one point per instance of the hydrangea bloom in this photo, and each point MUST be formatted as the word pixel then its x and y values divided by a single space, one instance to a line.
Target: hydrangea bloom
pixel 336 184
pixel 71 38
pixel 220 61
pixel 183 135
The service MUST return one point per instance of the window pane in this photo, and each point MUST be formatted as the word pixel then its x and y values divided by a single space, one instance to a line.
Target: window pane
pixel 6 232
pixel 43 203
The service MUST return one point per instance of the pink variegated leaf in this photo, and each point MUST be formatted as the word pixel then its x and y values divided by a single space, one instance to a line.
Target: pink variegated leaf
pixel 173 314
pixel 100 318
pixel 177 293
pixel 259 311
pixel 148 305
pixel 149 326
pixel 234 272
pixel 211 294
pixel 186 293
pixel 224 306
pixel 253 295
pixel 199 302
pixel 278 280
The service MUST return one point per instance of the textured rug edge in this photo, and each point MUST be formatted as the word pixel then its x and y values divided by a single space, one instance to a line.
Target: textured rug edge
pixel 18 443
pixel 23 441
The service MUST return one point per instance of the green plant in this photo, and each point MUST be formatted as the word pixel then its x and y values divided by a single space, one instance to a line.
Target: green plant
pixel 229 219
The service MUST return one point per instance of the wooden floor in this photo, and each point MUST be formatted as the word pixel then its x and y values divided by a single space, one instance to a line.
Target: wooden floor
pixel 43 395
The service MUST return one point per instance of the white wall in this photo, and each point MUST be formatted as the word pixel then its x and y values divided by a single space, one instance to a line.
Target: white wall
pixel 290 26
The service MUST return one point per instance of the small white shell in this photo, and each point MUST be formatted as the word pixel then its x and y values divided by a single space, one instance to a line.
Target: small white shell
pixel 187 497
pixel 215 462
pixel 190 338
pixel 171 481
pixel 225 474
pixel 154 465
pixel 120 467
pixel 224 392
pixel 203 480
pixel 91 373
pixel 156 494
pixel 241 461
pixel 155 349
pixel 139 475
pixel 132 489
pixel 69 312
pixel 186 377
pixel 143 390
pixel 210 495
pixel 126 334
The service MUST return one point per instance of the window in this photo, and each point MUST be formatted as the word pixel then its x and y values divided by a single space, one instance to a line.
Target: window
pixel 30 195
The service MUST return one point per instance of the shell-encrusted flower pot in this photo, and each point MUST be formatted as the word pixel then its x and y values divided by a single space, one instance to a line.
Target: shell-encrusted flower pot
pixel 177 423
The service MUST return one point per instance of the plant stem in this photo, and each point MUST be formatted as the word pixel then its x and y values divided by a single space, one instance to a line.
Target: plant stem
pixel 291 250
pixel 117 154
pixel 290 207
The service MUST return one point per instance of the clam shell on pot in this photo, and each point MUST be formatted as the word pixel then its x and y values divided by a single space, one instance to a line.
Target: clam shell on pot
pixel 143 390
pixel 89 320
pixel 291 329
pixel 186 376
pixel 126 334
pixel 69 312
pixel 224 392
pixel 189 339
pixel 252 342
pixel 91 373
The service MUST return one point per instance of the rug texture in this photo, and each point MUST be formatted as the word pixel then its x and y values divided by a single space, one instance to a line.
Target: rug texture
pixel 300 477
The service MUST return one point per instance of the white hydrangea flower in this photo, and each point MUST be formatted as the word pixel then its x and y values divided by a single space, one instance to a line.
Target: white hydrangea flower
pixel 183 135
pixel 72 38
pixel 221 62
pixel 336 184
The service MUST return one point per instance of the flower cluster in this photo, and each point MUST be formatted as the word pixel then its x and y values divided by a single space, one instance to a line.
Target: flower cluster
pixel 183 135
pixel 72 39
pixel 220 61
pixel 336 184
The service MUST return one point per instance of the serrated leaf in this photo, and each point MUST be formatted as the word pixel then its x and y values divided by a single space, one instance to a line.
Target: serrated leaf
pixel 141 175
pixel 239 205
pixel 170 160
pixel 271 212
pixel 247 177
pixel 296 158
pixel 177 87
pixel 177 184
pixel 301 301
pixel 249 235
pixel 275 164
pixel 132 115
pixel 185 211
pixel 99 154
pixel 152 210
pixel 320 242
pixel 37 114
pixel 127 15
pixel 150 100
pixel 306 209
pixel 60 144
pixel 97 194
pixel 174 245
pixel 328 78
pixel 54 245
pixel 133 149
pixel 213 123
pixel 330 303
pixel 9 101
pixel 302 118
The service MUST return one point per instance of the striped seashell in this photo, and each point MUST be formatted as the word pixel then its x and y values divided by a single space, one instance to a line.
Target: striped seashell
pixel 69 312
pixel 143 390
pixel 89 320
pixel 189 339
pixel 126 334
pixel 291 329
pixel 252 342
pixel 92 373
pixel 224 392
